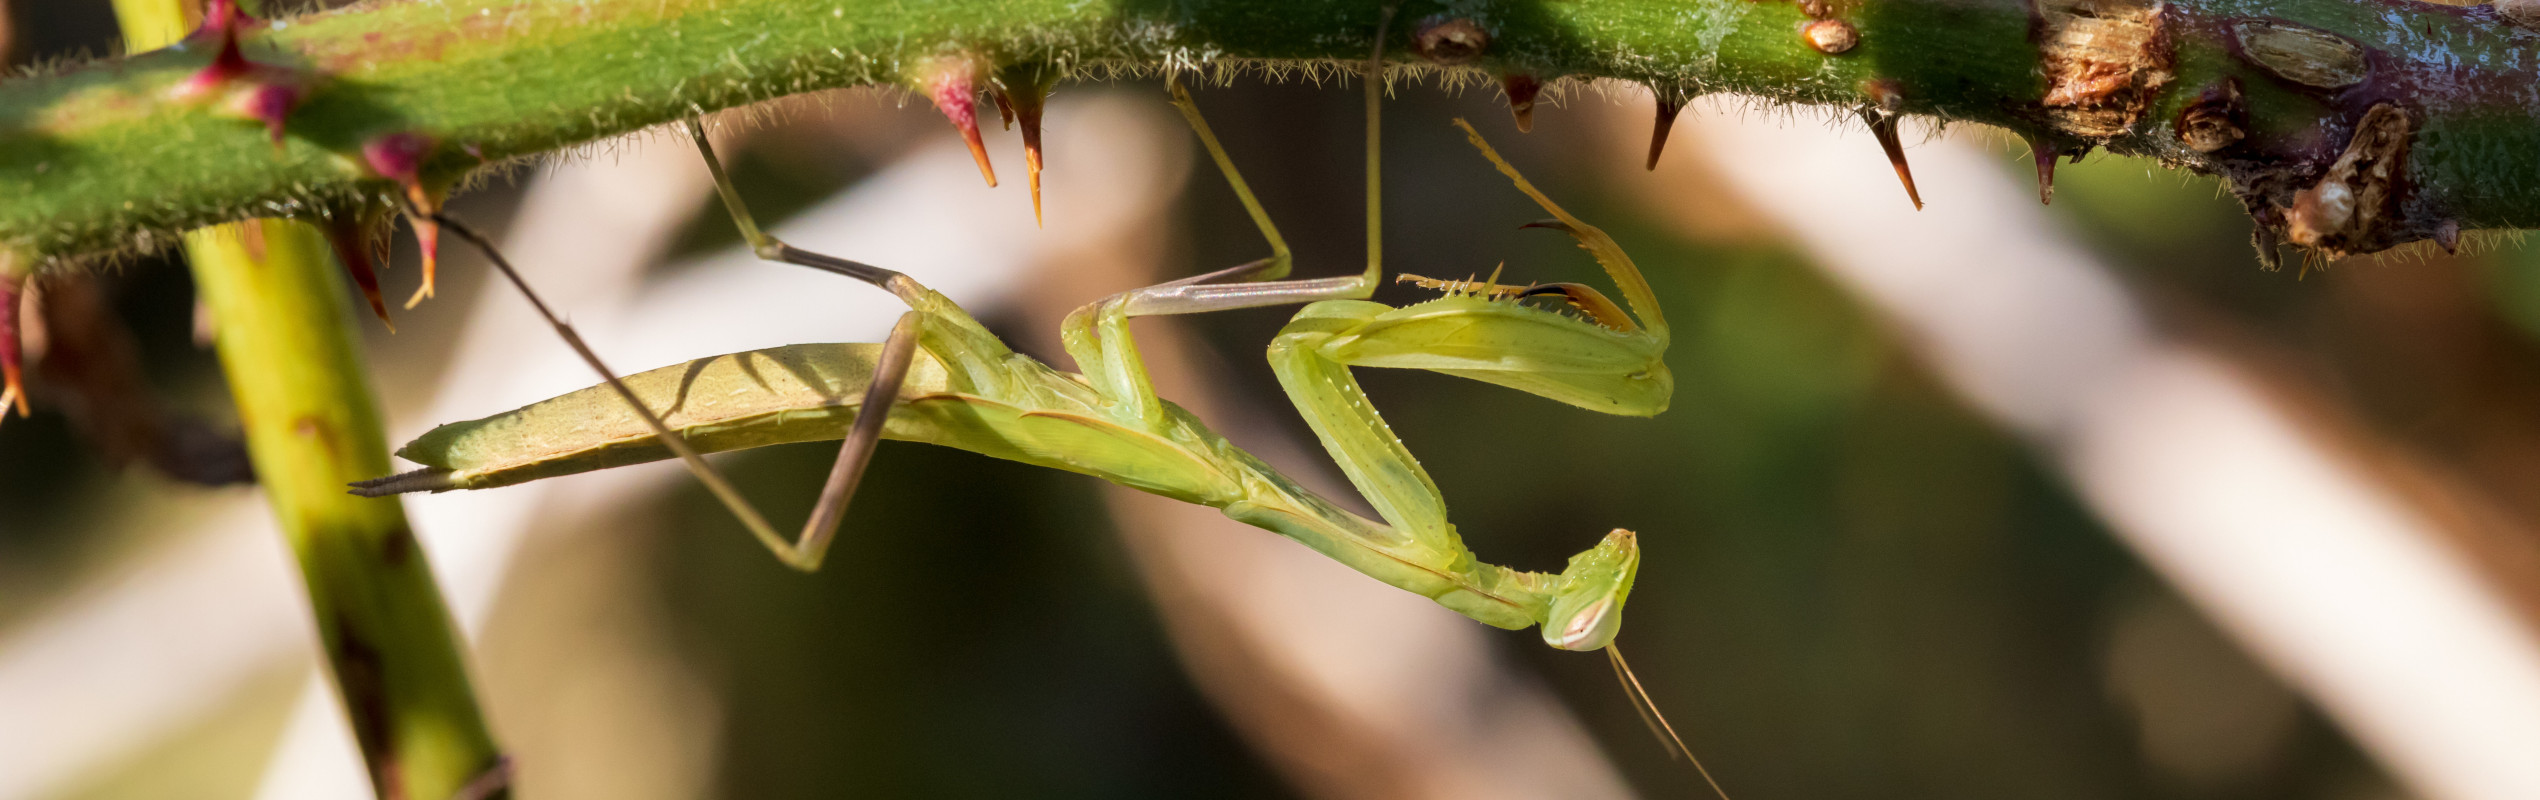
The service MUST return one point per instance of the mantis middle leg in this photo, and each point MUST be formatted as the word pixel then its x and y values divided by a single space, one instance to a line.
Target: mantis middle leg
pixel 1115 368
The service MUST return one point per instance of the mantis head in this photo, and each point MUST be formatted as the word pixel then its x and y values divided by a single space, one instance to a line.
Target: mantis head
pixel 1588 608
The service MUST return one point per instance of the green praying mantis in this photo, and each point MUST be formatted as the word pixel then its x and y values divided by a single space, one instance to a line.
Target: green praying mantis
pixel 942 378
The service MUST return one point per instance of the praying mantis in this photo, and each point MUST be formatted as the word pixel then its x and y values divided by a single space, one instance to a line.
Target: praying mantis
pixel 942 378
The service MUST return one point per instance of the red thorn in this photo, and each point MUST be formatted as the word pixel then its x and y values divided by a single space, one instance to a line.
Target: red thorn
pixel 2447 235
pixel 10 352
pixel 221 20
pixel 228 65
pixel 271 104
pixel 1667 110
pixel 1521 90
pixel 427 240
pixel 399 157
pixel 1022 95
pixel 351 240
pixel 2045 158
pixel 1883 126
pixel 1027 108
pixel 954 94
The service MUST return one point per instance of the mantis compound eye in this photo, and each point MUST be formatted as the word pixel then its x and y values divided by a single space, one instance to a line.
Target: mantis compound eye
pixel 1587 614
pixel 1588 628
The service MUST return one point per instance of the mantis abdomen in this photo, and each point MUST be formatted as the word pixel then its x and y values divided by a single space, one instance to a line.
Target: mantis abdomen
pixel 804 393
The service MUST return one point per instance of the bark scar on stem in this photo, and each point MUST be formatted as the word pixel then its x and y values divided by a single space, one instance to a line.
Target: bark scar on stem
pixel 2301 54
pixel 2103 59
pixel 2218 118
pixel 2354 208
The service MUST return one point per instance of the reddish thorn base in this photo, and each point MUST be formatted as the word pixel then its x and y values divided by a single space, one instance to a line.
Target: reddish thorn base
pixel 270 104
pixel 955 95
pixel 398 157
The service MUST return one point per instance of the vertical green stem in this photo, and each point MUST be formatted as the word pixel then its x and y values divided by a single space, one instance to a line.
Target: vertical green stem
pixel 288 346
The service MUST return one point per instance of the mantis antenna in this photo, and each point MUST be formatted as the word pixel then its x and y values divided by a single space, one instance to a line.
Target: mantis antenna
pixel 1657 722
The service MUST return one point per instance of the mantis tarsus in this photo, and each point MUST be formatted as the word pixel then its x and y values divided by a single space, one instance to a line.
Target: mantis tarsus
pixel 944 379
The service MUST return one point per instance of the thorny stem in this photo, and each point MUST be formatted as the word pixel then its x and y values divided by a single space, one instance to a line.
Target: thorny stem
pixel 2269 94
pixel 295 368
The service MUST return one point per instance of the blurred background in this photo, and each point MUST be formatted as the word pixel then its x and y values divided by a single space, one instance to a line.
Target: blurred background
pixel 1986 501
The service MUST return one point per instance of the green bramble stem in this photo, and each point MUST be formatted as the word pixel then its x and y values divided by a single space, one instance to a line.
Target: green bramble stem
pixel 2276 96
pixel 294 366
pixel 295 369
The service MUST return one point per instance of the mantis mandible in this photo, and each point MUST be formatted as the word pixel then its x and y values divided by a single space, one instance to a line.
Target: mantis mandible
pixel 942 378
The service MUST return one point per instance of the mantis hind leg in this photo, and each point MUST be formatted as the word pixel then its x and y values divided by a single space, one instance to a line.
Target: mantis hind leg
pixel 808 548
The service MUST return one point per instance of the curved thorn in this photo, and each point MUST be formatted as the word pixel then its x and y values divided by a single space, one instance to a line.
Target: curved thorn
pixel 1027 110
pixel 2045 158
pixel 1667 110
pixel 352 249
pixel 954 94
pixel 1023 93
pixel 427 240
pixel 1883 126
pixel 1521 90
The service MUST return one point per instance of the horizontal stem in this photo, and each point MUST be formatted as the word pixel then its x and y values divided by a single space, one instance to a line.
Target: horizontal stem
pixel 100 156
